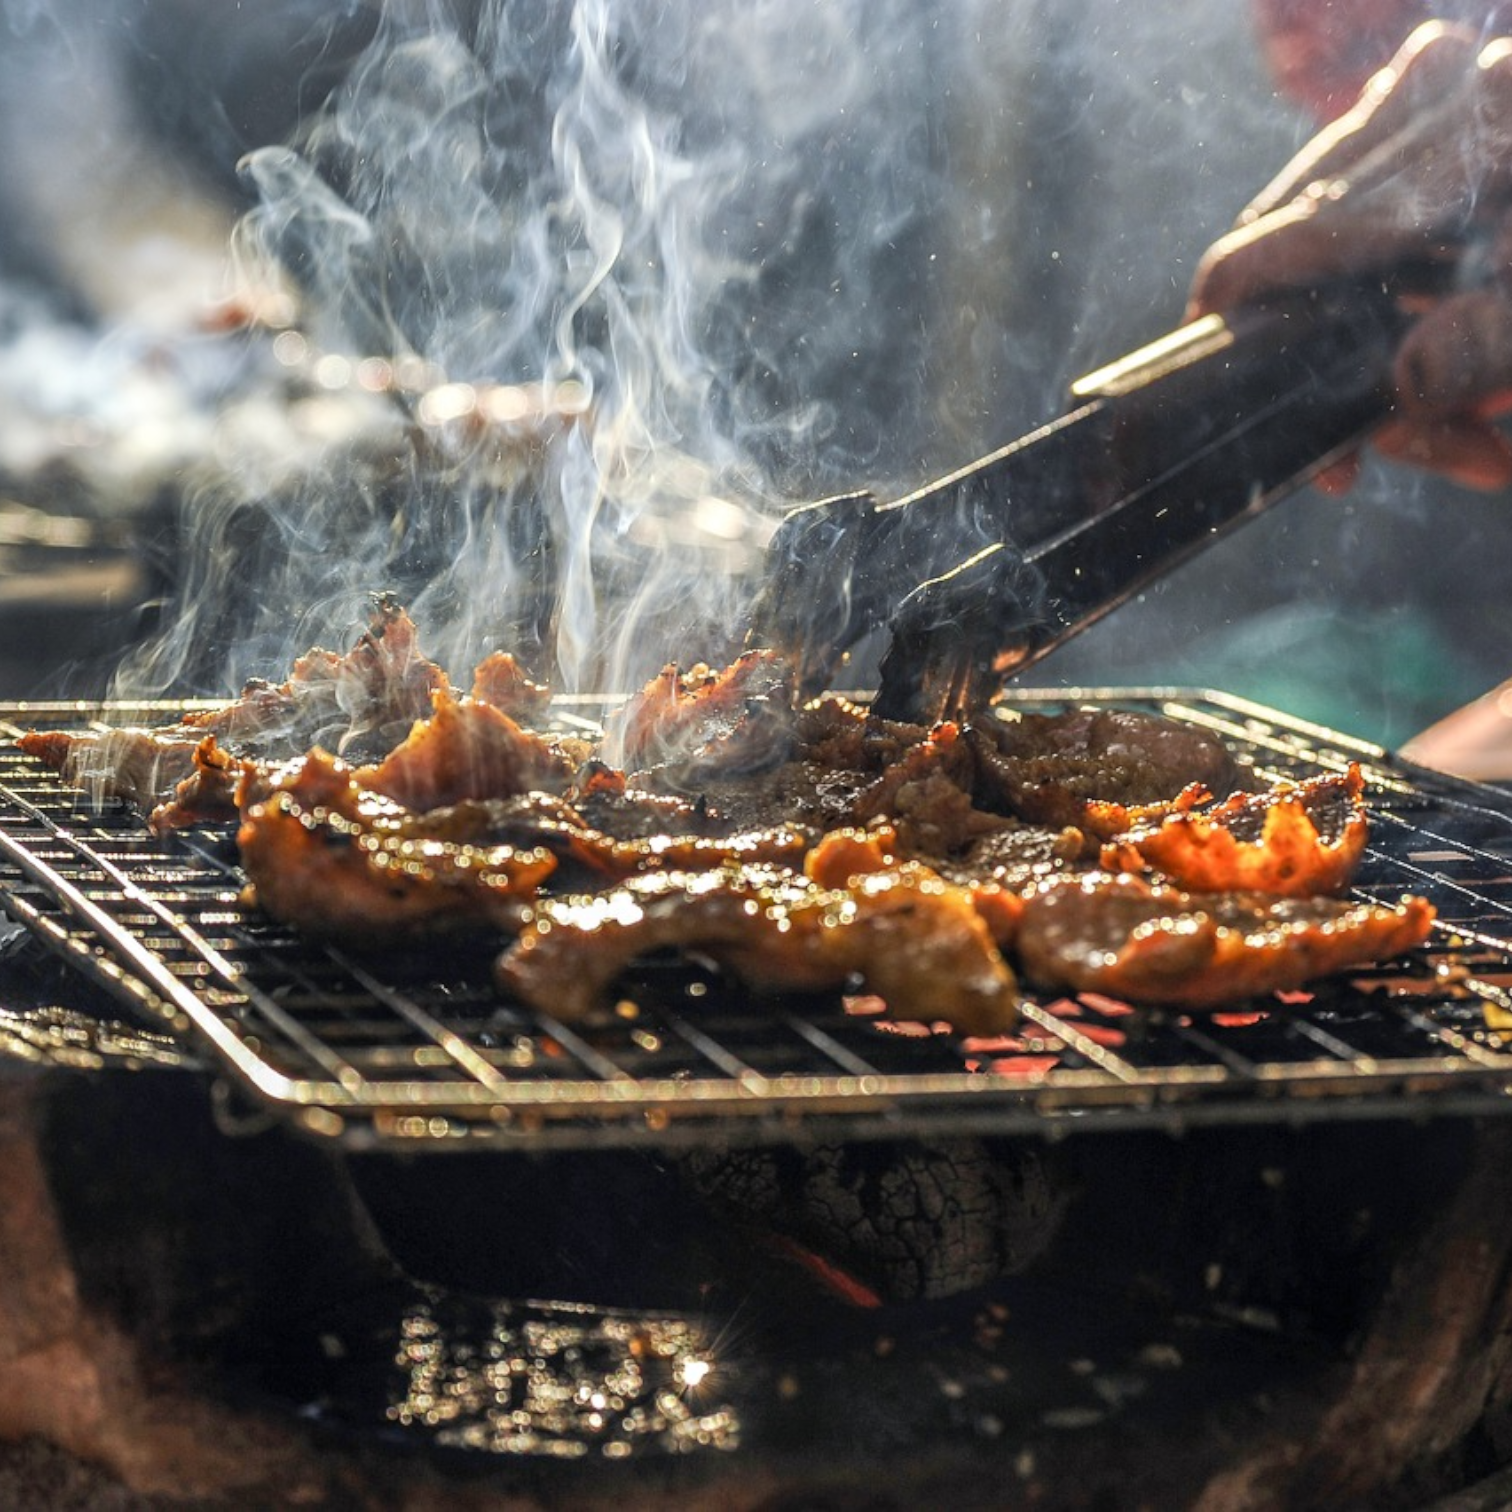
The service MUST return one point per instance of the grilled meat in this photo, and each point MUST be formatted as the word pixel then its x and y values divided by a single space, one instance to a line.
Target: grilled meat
pixel 366 698
pixel 361 700
pixel 1297 840
pixel 208 795
pixel 1056 768
pixel 1019 855
pixel 738 719
pixel 136 765
pixel 927 795
pixel 911 938
pixel 338 860
pixel 468 749
pixel 331 855
pixel 800 849
pixel 501 681
pixel 597 856
pixel 1129 938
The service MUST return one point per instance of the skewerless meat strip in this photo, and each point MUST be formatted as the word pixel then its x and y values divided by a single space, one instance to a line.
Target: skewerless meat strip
pixel 1298 840
pixel 327 853
pixel 1061 769
pixel 367 697
pixel 906 934
pixel 1134 939
pixel 341 861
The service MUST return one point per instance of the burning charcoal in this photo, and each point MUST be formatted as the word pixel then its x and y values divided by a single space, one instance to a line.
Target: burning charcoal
pixel 887 1222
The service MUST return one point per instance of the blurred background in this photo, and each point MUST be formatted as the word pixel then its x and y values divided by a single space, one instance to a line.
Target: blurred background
pixel 539 314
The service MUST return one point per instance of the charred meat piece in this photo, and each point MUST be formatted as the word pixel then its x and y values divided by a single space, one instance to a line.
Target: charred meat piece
pixel 136 765
pixel 847 769
pixel 468 749
pixel 843 857
pixel 1048 768
pixel 209 794
pixel 1123 936
pixel 607 802
pixel 836 732
pixel 338 861
pixel 914 940
pixel 365 697
pixel 738 719
pixel 369 696
pixel 794 792
pixel 927 795
pixel 1297 840
pixel 534 820
pixel 501 681
pixel 1017 856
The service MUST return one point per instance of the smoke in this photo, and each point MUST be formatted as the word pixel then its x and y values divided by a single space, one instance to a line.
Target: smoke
pixel 697 240
pixel 587 293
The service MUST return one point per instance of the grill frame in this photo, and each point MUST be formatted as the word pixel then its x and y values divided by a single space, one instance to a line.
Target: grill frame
pixel 372 1054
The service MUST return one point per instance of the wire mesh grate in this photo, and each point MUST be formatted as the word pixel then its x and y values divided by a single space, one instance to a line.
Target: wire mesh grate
pixel 420 1049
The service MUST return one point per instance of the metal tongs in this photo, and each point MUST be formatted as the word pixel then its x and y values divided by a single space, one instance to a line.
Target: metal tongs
pixel 1161 453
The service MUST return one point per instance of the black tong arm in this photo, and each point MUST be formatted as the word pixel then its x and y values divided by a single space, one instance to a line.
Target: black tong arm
pixel 986 570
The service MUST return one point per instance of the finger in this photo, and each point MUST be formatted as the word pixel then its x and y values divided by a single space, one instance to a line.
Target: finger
pixel 1303 243
pixel 1432 66
pixel 1461 449
pixel 1428 147
pixel 1457 356
pixel 1455 148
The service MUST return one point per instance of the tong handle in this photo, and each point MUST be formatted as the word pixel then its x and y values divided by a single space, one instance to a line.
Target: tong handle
pixel 1163 451
pixel 1178 444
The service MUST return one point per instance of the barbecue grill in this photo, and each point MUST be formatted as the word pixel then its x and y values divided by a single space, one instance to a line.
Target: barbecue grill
pixel 420 1051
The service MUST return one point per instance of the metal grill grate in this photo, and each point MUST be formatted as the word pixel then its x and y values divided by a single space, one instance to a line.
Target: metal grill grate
pixel 422 1051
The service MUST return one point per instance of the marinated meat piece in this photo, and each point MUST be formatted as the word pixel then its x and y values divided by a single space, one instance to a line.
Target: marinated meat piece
pixel 1105 820
pixel 840 858
pixel 1130 939
pixel 851 770
pixel 139 766
pixel 501 681
pixel 1298 840
pixel 468 749
pixel 845 856
pixel 370 694
pixel 738 719
pixel 536 819
pixel 914 940
pixel 1019 855
pixel 835 732
pixel 338 861
pixel 796 792
pixel 607 802
pixel 1047 768
pixel 208 795
pixel 927 794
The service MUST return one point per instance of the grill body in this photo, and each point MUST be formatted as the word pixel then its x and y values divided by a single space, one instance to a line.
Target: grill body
pixel 420 1051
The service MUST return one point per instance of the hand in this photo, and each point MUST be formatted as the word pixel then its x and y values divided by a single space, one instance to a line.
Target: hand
pixel 1421 162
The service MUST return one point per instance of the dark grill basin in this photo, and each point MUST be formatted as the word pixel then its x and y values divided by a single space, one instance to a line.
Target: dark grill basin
pixel 384 1221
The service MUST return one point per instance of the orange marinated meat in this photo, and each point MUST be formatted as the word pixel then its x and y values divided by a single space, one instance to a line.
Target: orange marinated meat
pixel 903 933
pixel 336 860
pixel 1297 840
pixel 1051 768
pixel 468 749
pixel 1129 938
